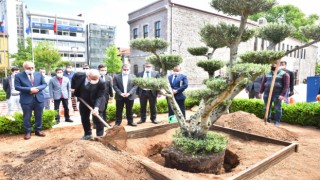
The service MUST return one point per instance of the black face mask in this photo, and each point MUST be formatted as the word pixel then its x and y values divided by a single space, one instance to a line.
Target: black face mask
pixel 273 68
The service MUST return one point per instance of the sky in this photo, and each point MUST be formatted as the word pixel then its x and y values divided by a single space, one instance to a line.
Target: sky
pixel 115 12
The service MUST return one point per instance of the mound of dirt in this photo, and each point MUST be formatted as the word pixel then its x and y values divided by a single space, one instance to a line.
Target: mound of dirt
pixel 82 160
pixel 250 123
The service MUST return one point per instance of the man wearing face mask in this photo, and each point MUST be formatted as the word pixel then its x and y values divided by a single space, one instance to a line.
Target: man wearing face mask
pixel 109 92
pixel 12 95
pixel 59 90
pixel 125 95
pixel 91 89
pixel 46 90
pixel 146 95
pixel 69 74
pixel 31 84
pixel 290 92
pixel 178 83
pixel 280 88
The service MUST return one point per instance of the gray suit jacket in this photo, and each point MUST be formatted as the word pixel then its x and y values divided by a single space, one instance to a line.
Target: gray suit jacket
pixel 118 87
pixel 57 91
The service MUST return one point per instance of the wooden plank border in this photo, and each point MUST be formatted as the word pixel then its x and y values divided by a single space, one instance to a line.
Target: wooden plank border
pixel 252 171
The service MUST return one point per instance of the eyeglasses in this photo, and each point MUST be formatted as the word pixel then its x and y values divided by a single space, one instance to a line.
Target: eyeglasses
pixel 29 68
pixel 85 68
pixel 148 66
pixel 125 69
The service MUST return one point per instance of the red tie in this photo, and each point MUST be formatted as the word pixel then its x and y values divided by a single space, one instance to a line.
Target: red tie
pixel 31 79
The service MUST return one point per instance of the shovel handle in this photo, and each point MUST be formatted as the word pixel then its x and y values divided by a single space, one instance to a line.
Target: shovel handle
pixel 97 115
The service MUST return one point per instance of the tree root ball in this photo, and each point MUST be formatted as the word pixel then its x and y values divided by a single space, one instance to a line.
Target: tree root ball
pixel 174 158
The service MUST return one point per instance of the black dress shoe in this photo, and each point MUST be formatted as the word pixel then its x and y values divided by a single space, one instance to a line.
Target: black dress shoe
pixel 140 122
pixel 132 124
pixel 68 120
pixel 39 133
pixel 27 136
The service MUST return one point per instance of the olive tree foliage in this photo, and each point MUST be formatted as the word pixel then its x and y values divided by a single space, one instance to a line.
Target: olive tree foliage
pixel 154 46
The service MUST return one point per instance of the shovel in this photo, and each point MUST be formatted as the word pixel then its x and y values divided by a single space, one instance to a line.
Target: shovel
pixel 116 137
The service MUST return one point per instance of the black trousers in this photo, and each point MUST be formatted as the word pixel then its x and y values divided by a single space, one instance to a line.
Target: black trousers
pixel 104 112
pixel 145 96
pixel 119 109
pixel 65 107
pixel 85 118
pixel 99 124
pixel 181 106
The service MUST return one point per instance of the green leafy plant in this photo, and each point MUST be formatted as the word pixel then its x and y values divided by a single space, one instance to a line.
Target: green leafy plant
pixel 14 124
pixel 211 143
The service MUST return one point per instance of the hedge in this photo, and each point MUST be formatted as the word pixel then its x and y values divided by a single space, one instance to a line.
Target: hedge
pixel 9 126
pixel 2 95
pixel 302 113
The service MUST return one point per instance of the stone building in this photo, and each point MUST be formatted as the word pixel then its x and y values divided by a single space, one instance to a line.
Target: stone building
pixel 180 24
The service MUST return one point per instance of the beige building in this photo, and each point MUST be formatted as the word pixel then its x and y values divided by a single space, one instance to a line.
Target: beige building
pixel 180 25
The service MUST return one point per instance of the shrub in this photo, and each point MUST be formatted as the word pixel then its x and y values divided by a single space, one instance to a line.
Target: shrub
pixel 162 106
pixel 8 126
pixel 212 143
pixel 111 112
pixel 302 113
pixel 190 102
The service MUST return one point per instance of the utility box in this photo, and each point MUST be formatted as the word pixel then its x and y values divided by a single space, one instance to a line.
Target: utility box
pixel 313 85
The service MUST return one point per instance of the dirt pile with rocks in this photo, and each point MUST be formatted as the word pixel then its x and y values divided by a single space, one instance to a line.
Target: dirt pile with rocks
pixel 84 160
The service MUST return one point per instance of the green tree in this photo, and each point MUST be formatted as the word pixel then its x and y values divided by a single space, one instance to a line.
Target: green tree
pixel 288 14
pixel 45 55
pixel 154 45
pixel 24 53
pixel 113 60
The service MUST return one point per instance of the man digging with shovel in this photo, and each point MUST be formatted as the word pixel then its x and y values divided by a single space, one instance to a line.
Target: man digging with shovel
pixel 90 89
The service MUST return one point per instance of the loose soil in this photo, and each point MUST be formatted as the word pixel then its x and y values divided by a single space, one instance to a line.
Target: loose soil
pixel 61 155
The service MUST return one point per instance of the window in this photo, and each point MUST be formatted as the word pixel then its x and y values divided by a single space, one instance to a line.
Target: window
pixel 44 31
pixel 145 31
pixel 135 69
pixel 290 49
pixel 35 19
pixel 283 47
pixel 65 33
pixel 36 31
pixel 135 33
pixel 157 29
pixel 73 34
pixel 43 20
pixel 51 21
pixel 60 33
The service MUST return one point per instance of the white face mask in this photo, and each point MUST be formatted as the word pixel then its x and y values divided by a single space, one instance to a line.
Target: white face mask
pixel 176 73
pixel 68 69
pixel 148 69
pixel 59 75
pixel 43 74
pixel 94 81
pixel 125 72
pixel 29 71
pixel 103 73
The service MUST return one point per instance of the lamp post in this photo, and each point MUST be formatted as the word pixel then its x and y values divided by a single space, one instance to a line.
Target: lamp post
pixel 75 52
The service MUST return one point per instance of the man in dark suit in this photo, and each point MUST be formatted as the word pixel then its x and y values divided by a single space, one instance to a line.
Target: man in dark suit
pixel 253 89
pixel 283 66
pixel 30 84
pixel 109 92
pixel 125 95
pixel 91 89
pixel 146 95
pixel 12 95
pixel 178 83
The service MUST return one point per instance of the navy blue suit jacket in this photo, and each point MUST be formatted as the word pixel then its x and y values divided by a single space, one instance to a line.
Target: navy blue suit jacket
pixel 23 84
pixel 180 84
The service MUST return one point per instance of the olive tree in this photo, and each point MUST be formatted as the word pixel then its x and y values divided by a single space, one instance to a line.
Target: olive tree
pixel 216 98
